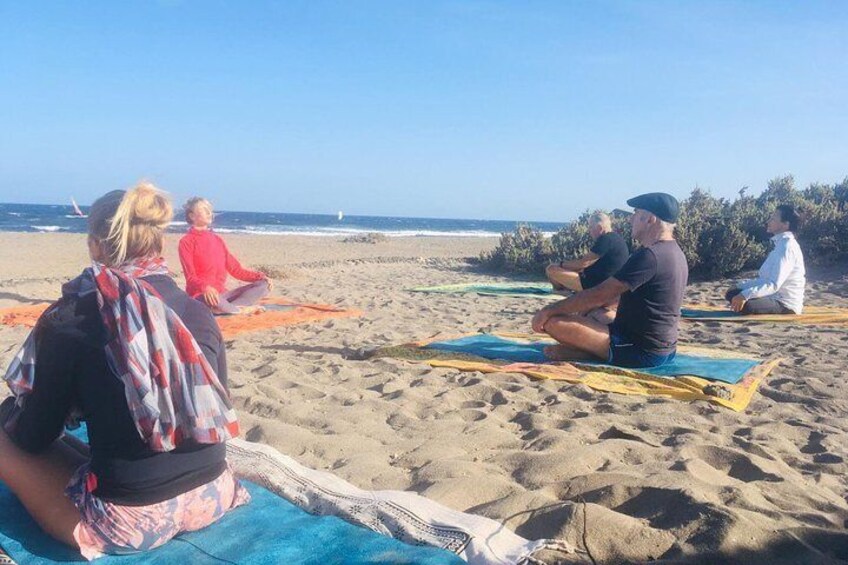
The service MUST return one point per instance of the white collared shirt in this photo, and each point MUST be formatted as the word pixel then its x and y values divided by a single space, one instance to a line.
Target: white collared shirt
pixel 782 276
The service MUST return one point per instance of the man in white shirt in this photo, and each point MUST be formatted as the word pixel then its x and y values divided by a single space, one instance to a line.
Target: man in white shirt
pixel 779 288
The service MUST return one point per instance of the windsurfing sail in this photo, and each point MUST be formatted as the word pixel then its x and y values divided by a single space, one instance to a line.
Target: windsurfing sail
pixel 77 210
pixel 341 216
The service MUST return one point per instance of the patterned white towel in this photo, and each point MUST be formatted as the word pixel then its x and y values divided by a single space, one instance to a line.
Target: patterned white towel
pixel 405 516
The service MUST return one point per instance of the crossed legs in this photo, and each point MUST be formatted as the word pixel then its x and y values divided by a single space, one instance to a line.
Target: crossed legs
pixel 237 300
pixel 580 339
pixel 563 279
pixel 766 305
pixel 39 482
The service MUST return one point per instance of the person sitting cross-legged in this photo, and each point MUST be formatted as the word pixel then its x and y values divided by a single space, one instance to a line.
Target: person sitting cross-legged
pixel 207 261
pixel 145 366
pixel 608 254
pixel 779 286
pixel 649 289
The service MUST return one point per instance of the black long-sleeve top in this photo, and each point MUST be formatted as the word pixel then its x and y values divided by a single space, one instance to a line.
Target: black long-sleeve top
pixel 72 371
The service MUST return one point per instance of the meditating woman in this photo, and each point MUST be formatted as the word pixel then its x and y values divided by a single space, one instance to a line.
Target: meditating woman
pixel 779 286
pixel 206 262
pixel 144 365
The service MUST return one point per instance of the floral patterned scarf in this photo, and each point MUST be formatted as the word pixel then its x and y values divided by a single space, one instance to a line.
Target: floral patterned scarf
pixel 171 390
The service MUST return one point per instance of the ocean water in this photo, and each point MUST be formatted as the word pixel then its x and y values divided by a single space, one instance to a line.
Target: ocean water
pixel 59 218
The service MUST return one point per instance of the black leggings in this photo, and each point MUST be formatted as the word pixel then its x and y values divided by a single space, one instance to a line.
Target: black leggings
pixel 765 305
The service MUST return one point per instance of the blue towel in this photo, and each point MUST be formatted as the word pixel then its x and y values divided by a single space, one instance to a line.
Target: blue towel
pixel 695 313
pixel 269 530
pixel 490 346
pixel 494 347
pixel 491 289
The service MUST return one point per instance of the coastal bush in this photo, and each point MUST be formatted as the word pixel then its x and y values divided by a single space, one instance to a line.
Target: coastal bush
pixel 526 250
pixel 370 237
pixel 720 237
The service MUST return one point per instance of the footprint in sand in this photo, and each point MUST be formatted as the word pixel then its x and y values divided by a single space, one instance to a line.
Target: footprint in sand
pixel 738 465
pixel 819 451
pixel 473 404
pixel 660 507
pixel 828 459
pixel 470 382
pixel 605 408
pixel 472 415
pixel 814 443
pixel 752 448
pixel 264 371
pixel 630 435
pixel 259 408
pixel 255 434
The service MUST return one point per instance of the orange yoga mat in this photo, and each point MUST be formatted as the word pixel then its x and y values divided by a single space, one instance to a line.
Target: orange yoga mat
pixel 22 315
pixel 231 326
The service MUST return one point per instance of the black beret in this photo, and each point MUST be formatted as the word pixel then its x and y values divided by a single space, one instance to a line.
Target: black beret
pixel 663 206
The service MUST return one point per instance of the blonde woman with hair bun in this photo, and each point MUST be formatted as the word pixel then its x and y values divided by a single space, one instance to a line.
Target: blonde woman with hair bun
pixel 207 261
pixel 111 351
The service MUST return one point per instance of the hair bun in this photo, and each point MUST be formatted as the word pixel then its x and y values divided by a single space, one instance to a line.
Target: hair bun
pixel 149 206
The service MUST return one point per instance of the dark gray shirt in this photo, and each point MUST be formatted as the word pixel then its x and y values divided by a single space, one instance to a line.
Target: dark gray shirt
pixel 649 313
pixel 612 253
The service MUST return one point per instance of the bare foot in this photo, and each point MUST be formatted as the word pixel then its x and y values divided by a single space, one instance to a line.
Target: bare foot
pixel 557 353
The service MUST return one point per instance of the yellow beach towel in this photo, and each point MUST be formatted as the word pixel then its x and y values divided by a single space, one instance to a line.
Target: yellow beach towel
pixel 812 316
pixel 599 377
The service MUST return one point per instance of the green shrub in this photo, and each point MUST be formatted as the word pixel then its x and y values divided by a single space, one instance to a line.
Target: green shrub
pixel 719 237
pixel 370 237
pixel 526 250
pixel 825 228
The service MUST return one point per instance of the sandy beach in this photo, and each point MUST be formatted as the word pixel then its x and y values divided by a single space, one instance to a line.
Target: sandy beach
pixel 628 477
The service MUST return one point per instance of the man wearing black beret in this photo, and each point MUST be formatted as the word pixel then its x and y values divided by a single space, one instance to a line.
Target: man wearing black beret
pixel 649 288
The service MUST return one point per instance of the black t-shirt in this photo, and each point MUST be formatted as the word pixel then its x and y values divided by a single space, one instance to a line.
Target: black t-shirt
pixel 612 252
pixel 649 313
pixel 71 370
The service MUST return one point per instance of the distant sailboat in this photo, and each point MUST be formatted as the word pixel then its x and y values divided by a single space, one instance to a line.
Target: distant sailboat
pixel 77 212
pixel 341 216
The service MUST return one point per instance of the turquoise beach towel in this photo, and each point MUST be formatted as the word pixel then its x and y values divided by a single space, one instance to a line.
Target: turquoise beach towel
pixel 269 530
pixel 490 346
pixel 696 313
pixel 492 289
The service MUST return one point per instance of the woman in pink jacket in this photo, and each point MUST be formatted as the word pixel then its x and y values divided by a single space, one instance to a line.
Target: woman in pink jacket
pixel 206 263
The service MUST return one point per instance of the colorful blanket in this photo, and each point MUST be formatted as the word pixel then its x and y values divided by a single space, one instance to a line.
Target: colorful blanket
pixel 543 290
pixel 812 316
pixel 733 377
pixel 279 311
pixel 268 530
pixel 301 516
pixel 488 346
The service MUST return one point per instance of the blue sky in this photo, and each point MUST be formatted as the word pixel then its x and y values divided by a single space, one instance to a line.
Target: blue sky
pixel 501 110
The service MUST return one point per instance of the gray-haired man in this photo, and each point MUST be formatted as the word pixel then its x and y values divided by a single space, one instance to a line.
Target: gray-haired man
pixel 649 288
pixel 608 254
